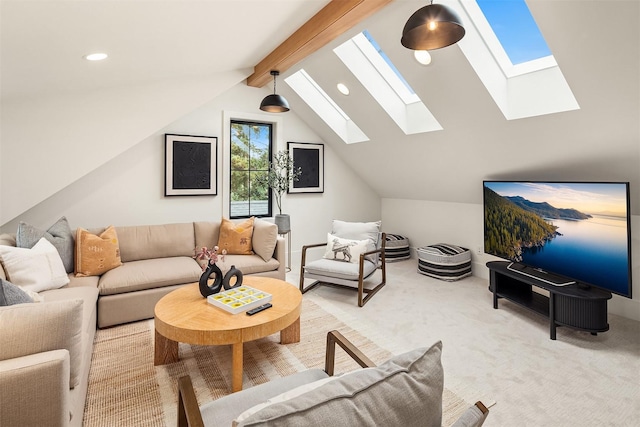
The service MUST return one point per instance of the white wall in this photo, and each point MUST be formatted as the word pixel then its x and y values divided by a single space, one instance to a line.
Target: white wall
pixel 65 136
pixel 128 190
pixel 425 223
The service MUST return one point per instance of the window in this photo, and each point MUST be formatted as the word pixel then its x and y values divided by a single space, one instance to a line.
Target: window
pixel 325 107
pixel 364 57
pixel 515 29
pixel 509 55
pixel 251 144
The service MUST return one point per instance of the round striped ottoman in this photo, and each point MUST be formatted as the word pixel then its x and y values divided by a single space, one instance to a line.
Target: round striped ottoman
pixel 396 248
pixel 444 261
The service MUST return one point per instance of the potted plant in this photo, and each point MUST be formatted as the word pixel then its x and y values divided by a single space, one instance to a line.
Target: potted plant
pixel 281 173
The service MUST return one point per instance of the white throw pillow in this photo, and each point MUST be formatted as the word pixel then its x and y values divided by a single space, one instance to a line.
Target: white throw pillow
pixel 346 250
pixel 37 269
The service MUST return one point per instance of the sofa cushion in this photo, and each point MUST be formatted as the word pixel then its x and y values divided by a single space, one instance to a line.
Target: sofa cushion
pixel 11 294
pixel 149 273
pixel 265 237
pixel 89 297
pixel 339 270
pixel 156 241
pixel 248 264
pixel 35 328
pixel 59 234
pixel 206 233
pixel 36 269
pixel 97 254
pixel 235 239
pixel 404 391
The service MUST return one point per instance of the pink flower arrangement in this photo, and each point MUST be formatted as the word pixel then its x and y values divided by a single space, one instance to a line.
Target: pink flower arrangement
pixel 210 255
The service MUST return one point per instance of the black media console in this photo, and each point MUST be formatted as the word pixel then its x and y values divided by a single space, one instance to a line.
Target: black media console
pixel 577 306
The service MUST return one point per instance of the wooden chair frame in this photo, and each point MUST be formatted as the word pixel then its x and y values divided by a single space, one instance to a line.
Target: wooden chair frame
pixel 189 411
pixel 362 300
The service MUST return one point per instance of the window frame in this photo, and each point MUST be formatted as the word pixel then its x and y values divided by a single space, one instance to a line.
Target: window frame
pixel 277 143
pixel 270 156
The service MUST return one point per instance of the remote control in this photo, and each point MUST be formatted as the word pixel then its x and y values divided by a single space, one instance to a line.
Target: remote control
pixel 258 309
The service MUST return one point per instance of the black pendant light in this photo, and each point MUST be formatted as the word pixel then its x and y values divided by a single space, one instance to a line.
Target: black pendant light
pixel 432 27
pixel 274 103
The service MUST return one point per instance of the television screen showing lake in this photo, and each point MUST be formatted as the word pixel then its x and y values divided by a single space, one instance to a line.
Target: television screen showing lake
pixel 579 230
pixel 593 250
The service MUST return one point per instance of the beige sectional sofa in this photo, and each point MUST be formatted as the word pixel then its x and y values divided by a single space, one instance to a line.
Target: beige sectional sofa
pixel 46 347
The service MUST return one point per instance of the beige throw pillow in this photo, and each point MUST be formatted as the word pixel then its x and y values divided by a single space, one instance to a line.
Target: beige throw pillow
pixel 264 239
pixel 236 238
pixel 96 255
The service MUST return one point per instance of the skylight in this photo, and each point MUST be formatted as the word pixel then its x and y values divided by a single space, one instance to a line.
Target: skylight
pixel 392 67
pixel 525 82
pixel 325 107
pixel 516 29
pixel 511 34
pixel 373 68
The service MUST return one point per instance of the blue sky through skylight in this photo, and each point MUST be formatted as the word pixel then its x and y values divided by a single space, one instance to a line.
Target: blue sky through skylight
pixel 387 60
pixel 516 29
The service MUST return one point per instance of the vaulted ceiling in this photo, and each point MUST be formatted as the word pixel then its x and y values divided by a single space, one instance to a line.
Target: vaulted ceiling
pixel 156 41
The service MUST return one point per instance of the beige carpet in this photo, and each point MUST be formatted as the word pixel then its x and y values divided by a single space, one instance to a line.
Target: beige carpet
pixel 125 389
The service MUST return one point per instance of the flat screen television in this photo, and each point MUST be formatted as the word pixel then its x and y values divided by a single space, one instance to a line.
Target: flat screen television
pixel 581 230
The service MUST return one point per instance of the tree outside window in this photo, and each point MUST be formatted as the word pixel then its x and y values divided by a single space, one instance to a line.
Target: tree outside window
pixel 251 144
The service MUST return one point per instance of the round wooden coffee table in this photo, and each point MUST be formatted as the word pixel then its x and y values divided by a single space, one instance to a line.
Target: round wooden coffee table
pixel 185 316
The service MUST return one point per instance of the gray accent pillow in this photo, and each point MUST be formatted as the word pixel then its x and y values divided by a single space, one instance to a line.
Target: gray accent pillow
pixel 404 391
pixel 11 294
pixel 59 234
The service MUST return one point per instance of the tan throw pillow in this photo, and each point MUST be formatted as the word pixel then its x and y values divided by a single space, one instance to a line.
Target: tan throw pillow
pixel 96 255
pixel 236 238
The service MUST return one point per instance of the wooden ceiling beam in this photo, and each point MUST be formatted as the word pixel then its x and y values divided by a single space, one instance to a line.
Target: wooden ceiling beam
pixel 330 22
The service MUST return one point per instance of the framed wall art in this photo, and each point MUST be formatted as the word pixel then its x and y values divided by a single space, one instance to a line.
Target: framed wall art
pixel 190 165
pixel 310 158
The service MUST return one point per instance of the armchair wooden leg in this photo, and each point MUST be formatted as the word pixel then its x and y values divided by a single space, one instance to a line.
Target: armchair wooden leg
pixel 303 262
pixel 188 410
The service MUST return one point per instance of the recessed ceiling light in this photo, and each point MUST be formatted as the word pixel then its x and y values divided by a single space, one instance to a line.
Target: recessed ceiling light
pixel 422 56
pixel 343 89
pixel 96 56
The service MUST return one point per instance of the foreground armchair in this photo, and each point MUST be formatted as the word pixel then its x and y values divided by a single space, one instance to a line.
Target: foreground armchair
pixel 404 391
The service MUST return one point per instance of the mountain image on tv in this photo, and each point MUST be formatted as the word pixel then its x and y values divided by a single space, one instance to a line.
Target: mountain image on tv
pixel 513 223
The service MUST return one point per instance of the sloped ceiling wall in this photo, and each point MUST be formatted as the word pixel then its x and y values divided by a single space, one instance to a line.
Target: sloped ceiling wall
pixel 54 130
pixel 601 141
pixel 63 117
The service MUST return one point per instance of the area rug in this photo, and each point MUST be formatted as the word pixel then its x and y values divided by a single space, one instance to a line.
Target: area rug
pixel 126 389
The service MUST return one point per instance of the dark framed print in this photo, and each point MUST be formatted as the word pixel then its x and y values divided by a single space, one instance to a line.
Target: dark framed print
pixel 190 165
pixel 310 158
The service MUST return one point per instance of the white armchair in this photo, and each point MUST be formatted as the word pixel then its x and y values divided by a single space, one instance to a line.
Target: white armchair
pixel 354 254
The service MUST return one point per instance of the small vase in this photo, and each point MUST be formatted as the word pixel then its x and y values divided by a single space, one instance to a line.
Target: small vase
pixel 233 272
pixel 205 289
pixel 283 222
